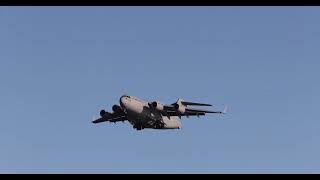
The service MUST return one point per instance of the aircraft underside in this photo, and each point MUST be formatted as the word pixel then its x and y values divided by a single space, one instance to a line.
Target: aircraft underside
pixel 153 120
pixel 140 126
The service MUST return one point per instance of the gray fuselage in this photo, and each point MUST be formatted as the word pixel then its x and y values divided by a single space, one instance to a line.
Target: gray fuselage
pixel 141 115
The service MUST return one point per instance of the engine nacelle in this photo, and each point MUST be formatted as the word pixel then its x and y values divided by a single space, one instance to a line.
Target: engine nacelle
pixel 116 108
pixel 180 108
pixel 102 112
pixel 157 105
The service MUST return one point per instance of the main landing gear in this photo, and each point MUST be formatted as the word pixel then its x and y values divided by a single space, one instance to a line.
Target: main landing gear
pixel 159 125
pixel 138 127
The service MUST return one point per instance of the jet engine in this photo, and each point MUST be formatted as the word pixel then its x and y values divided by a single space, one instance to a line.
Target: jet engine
pixel 102 112
pixel 180 108
pixel 116 108
pixel 157 105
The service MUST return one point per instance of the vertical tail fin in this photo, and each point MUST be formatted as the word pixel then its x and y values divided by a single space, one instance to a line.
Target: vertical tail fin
pixel 179 101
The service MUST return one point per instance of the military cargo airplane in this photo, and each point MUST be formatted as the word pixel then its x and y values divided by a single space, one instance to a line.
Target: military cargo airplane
pixel 154 115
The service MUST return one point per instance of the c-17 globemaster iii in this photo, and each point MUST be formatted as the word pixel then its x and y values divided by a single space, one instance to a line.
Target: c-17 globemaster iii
pixel 154 115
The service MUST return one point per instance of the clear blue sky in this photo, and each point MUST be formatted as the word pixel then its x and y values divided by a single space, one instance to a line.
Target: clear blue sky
pixel 60 65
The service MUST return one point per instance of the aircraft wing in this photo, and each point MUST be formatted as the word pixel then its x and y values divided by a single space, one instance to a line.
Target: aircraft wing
pixel 174 113
pixel 186 103
pixel 170 110
pixel 111 117
pixel 192 112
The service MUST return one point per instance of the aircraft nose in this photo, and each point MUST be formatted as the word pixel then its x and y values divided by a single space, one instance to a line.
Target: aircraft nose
pixel 122 101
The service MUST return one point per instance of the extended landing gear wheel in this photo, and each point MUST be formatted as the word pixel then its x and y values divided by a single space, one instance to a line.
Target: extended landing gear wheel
pixel 138 127
pixel 159 126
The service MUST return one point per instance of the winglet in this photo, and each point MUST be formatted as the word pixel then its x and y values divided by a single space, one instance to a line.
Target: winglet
pixel 93 118
pixel 225 110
